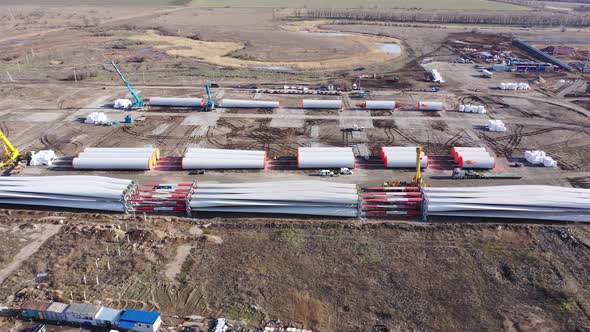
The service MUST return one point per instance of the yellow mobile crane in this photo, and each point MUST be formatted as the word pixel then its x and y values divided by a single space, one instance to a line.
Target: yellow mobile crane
pixel 11 154
pixel 417 180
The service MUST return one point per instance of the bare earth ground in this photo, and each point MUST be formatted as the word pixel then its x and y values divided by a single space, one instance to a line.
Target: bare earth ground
pixel 327 275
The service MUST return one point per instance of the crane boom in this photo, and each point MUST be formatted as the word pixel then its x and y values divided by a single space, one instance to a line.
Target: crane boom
pixel 138 102
pixel 11 153
pixel 418 180
pixel 210 103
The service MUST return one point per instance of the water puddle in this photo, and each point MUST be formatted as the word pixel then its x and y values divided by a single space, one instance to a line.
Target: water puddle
pixel 391 48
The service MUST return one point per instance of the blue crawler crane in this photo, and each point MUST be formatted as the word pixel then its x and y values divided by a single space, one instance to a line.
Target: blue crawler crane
pixel 210 103
pixel 138 103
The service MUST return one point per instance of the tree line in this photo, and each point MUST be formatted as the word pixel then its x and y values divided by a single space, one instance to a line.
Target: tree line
pixel 521 18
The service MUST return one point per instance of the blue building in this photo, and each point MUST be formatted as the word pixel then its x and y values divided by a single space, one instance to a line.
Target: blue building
pixel 140 321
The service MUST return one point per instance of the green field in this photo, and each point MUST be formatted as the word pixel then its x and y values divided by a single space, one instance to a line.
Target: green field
pixel 422 4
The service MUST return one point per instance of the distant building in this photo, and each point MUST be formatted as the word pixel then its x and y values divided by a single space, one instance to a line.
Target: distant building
pixel 559 50
pixel 140 321
pixel 501 67
pixel 56 312
pixel 108 317
pixel 83 313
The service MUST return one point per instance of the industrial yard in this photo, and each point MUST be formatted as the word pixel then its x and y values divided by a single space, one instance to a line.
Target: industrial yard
pixel 245 167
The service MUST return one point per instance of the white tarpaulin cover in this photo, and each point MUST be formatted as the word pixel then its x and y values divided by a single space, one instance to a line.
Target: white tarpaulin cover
pixel 122 103
pixel 96 118
pixel 42 158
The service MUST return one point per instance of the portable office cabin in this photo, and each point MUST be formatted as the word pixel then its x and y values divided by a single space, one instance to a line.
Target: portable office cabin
pixel 140 321
pixel 83 313
pixel 56 312
pixel 34 309
pixel 108 317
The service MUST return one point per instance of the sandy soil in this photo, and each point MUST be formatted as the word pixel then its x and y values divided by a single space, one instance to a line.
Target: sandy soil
pixel 173 267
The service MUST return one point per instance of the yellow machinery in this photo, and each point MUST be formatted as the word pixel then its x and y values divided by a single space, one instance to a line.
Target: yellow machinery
pixel 418 180
pixel 11 154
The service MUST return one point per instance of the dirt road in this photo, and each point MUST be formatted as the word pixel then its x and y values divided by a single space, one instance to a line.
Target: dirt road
pixel 37 240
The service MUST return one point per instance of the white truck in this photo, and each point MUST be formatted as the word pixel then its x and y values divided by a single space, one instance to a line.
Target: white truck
pixel 325 172
pixel 346 171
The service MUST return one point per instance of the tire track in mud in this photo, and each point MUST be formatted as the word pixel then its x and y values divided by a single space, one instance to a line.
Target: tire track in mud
pixel 277 137
pixel 51 146
pixel 515 139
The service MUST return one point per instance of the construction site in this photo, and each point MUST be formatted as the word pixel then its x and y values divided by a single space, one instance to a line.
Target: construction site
pixel 194 167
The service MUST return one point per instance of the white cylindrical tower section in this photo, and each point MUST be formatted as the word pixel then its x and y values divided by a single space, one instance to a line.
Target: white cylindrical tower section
pixel 225 163
pixel 322 104
pixel 477 162
pixel 175 102
pixel 380 105
pixel 236 103
pixel 113 164
pixel 430 106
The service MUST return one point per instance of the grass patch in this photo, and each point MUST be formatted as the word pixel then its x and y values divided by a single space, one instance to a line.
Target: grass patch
pixel 401 4
pixel 292 239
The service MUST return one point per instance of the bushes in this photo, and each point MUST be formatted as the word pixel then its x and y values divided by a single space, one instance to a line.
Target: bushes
pixel 506 18
pixel 79 75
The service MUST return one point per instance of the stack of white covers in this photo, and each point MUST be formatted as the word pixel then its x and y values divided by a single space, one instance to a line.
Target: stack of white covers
pixel 468 157
pixel 200 158
pixel 117 158
pixel 436 77
pixel 496 125
pixel 467 108
pixel 325 157
pixel 42 158
pixel 283 197
pixel 74 191
pixel 122 103
pixel 96 118
pixel 402 157
pixel 521 202
pixel 513 86
pixel 537 157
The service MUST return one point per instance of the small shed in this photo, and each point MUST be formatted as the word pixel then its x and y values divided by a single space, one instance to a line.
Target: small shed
pixel 56 312
pixel 140 321
pixel 83 313
pixel 34 309
pixel 108 317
